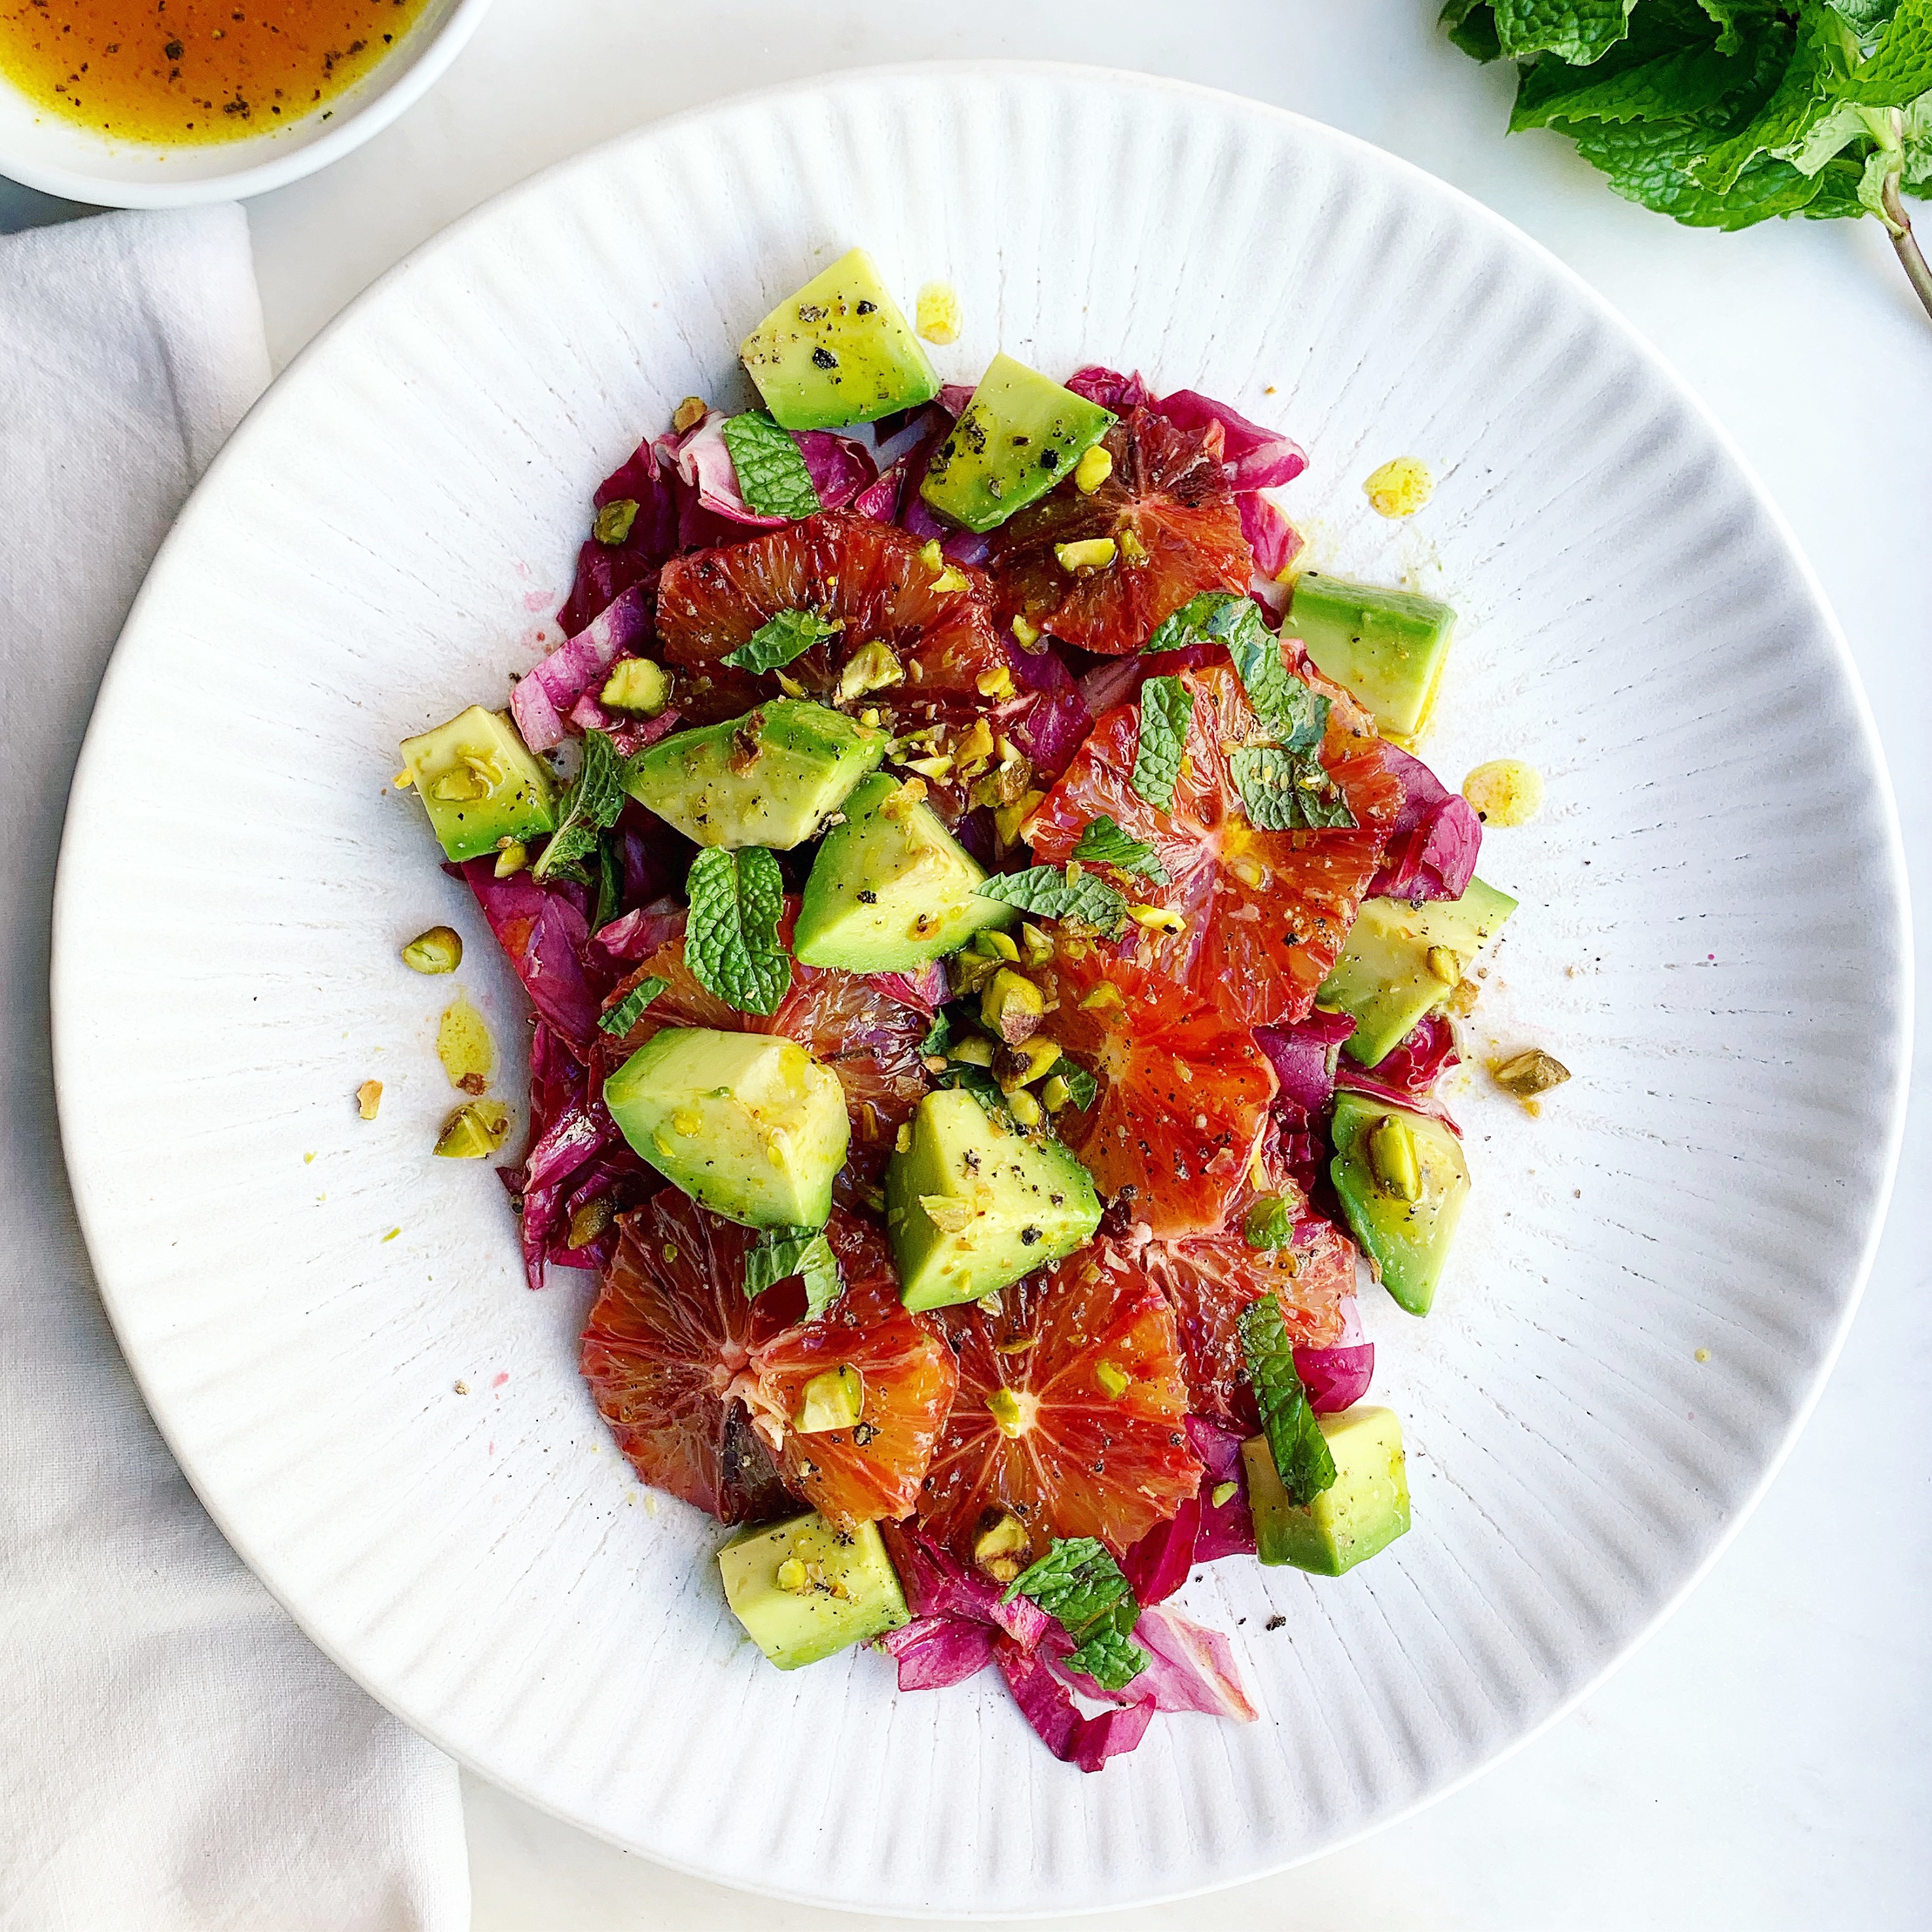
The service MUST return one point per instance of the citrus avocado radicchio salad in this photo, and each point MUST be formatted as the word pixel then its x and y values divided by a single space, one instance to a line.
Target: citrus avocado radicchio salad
pixel 992 967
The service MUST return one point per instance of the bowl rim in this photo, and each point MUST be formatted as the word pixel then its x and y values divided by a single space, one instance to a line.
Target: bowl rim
pixel 366 119
pixel 1884 1161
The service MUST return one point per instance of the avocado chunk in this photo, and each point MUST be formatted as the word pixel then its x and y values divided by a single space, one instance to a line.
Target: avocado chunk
pixel 771 778
pixel 1363 1511
pixel 1402 1181
pixel 805 1590
pixel 891 890
pixel 973 1203
pixel 1402 960
pixel 1388 647
pixel 748 1123
pixel 479 783
pixel 1014 441
pixel 838 351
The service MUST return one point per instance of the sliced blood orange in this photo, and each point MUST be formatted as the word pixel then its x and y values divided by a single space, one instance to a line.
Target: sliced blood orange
pixel 869 1040
pixel 874 580
pixel 1175 524
pixel 1184 1094
pixel 700 1386
pixel 1071 1413
pixel 906 1381
pixel 1266 914
pixel 1208 1279
pixel 670 1334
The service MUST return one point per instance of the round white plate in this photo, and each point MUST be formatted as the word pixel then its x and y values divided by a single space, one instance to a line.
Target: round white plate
pixel 1654 1275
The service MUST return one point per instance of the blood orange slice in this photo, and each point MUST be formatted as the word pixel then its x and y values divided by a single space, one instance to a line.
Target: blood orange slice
pixel 1183 1098
pixel 869 1039
pixel 1266 914
pixel 701 1386
pixel 1071 1413
pixel 874 580
pixel 1208 1279
pixel 906 1378
pixel 1172 519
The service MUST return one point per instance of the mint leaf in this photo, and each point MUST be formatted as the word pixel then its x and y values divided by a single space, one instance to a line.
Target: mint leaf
pixel 779 640
pixel 1271 1223
pixel 1663 88
pixel 593 806
pixel 1188 625
pixel 1649 164
pixel 626 1014
pixel 1167 710
pixel 1294 1438
pixel 782 1253
pixel 939 1035
pixel 1780 126
pixel 1112 1660
pixel 1048 892
pixel 1471 26
pixel 1728 14
pixel 1082 1089
pixel 1576 30
pixel 731 936
pixel 978 1082
pixel 1102 842
pixel 609 883
pixel 1287 791
pixel 772 476
pixel 1900 71
pixel 1290 710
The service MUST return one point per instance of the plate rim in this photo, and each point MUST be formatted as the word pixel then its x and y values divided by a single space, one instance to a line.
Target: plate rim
pixel 87 1196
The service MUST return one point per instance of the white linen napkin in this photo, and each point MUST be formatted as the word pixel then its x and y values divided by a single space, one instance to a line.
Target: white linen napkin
pixel 173 1752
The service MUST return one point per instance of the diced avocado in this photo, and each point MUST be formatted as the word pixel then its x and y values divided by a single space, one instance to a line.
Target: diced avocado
pixel 637 685
pixel 770 778
pixel 973 1204
pixel 1402 1181
pixel 1402 960
pixel 1386 646
pixel 805 1590
pixel 1019 436
pixel 838 351
pixel 748 1124
pixel 1363 1511
pixel 891 889
pixel 479 783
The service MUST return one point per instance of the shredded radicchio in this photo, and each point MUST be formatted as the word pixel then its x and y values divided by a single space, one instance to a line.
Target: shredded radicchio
pixel 1432 852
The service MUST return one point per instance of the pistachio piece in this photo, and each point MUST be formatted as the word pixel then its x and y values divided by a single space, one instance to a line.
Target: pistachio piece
pixel 1008 1411
pixel 833 1398
pixel 1529 1073
pixel 1392 1156
pixel 438 950
pixel 1012 1007
pixel 475 1131
pixel 1095 466
pixel 1113 1383
pixel 689 413
pixel 1002 1548
pixel 612 523
pixel 1083 558
pixel 368 1099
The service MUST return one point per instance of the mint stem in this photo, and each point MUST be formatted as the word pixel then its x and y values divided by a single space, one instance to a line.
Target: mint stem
pixel 1898 225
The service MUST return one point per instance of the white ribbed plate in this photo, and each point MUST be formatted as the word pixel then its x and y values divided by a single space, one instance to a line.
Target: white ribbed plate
pixel 1711 936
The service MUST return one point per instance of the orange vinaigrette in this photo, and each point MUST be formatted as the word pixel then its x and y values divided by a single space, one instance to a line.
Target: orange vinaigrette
pixel 173 72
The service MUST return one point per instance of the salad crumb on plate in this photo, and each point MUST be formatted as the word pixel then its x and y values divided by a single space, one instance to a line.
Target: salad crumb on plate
pixel 994 956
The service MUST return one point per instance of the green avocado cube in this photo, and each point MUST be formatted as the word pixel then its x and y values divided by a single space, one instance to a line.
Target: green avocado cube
pixel 805 1590
pixel 974 1203
pixel 1363 1511
pixel 1388 647
pixel 480 784
pixel 838 351
pixel 1020 434
pixel 1402 960
pixel 891 890
pixel 1402 1181
pixel 749 1124
pixel 771 778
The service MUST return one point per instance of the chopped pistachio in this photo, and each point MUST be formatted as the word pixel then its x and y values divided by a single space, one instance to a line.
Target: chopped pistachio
pixel 689 413
pixel 996 945
pixel 404 780
pixel 1444 965
pixel 1089 554
pixel 1463 1000
pixel 1529 1073
pixel 368 1099
pixel 951 578
pixel 1157 919
pixel 1012 1007
pixel 1132 548
pixel 438 950
pixel 512 858
pixel 1002 1547
pixel 1055 1094
pixel 902 1140
pixel 1025 635
pixel 997 684
pixel 1103 998
pixel 1113 1383
pixel 1041 1057
pixel 589 1222
pixel 612 523
pixel 936 313
pixel 873 667
pixel 475 1131
pixel 1036 944
pixel 1025 1108
pixel 1223 1494
pixel 833 1398
pixel 1095 466
pixel 973 1052
pixel 793 1576
pixel 1392 1156
pixel 1006 1410
pixel 946 1212
pixel 938 769
pixel 1009 821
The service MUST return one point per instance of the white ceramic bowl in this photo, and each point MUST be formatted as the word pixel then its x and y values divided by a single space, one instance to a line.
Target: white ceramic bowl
pixel 1711 935
pixel 58 157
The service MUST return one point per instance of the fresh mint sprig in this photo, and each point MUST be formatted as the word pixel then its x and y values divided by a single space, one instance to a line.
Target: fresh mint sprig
pixel 731 940
pixel 593 806
pixel 772 476
pixel 1294 1438
pixel 782 1253
pixel 1078 1584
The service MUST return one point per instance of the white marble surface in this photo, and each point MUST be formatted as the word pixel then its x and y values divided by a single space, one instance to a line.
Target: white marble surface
pixel 1761 1763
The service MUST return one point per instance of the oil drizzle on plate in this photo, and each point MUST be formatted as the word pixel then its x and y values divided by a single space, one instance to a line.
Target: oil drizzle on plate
pixel 172 72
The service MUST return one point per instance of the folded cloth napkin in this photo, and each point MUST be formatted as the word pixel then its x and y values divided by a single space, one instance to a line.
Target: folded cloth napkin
pixel 173 1752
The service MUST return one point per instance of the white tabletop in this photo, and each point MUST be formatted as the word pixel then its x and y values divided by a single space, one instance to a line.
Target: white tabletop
pixel 1761 1763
